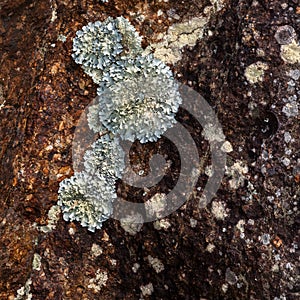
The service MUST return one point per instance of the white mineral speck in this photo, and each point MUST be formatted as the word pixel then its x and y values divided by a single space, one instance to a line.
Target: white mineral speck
pixel 286 161
pixel 71 231
pixel 265 238
pixel 193 222
pixel 224 287
pixel 230 277
pixel 287 151
pixel 251 222
pixel 290 109
pixel 227 147
pixel 287 137
pixel 135 267
pixel 294 74
pixel 160 13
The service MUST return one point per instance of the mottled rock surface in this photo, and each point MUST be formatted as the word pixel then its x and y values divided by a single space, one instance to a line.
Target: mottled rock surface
pixel 243 245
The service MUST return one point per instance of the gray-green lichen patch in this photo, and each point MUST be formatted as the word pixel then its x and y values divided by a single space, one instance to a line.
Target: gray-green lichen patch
pixel 291 53
pixel 256 71
pixel 237 174
pixel 87 199
pixel 213 133
pixel 53 217
pixel 219 210
pixel 147 289
pixel 36 262
pixel 93 118
pixel 101 44
pixel 156 264
pixel 179 35
pixel 105 157
pixel 132 224
pixel 99 281
pixel 23 293
pixel 143 105
pixel 155 206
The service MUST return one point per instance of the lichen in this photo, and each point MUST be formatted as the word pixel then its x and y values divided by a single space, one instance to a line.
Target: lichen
pixel 237 173
pixel 255 72
pixel 290 109
pixel 96 250
pixel 137 99
pixel 132 223
pixel 142 106
pixel 178 36
pixel 86 199
pixel 285 34
pixel 219 210
pixel 61 38
pixel 126 68
pixel 99 45
pixel 291 53
pixel 147 289
pixel 53 217
pixel 187 33
pixel 105 158
pixel 23 293
pixel 93 118
pixel 36 262
pixel 99 281
pixel 156 264
pixel 226 147
pixel 161 224
pixel 213 133
pixel 156 205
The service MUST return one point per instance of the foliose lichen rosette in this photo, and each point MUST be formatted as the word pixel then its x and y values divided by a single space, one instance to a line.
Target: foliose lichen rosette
pixel 86 199
pixel 105 158
pixel 143 105
pixel 100 45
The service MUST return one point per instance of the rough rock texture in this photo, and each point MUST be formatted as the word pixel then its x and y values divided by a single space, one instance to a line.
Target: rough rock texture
pixel 243 245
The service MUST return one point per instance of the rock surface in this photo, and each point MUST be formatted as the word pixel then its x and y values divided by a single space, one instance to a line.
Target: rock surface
pixel 243 245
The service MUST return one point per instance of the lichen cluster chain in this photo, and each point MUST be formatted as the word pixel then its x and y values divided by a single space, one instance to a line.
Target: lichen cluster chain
pixel 137 100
